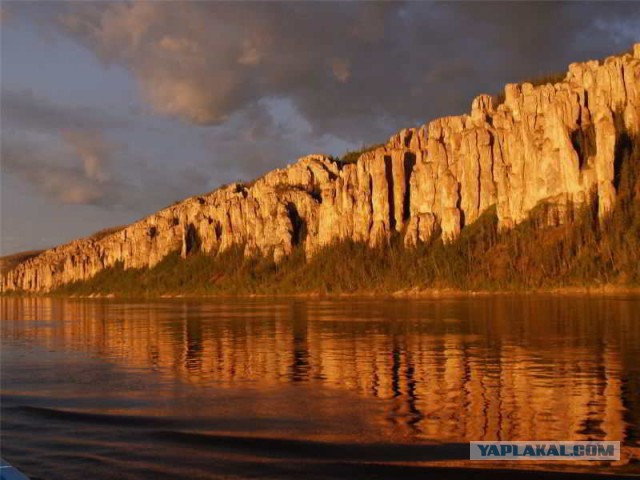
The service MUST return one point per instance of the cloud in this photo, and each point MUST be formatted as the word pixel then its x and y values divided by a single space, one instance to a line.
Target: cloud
pixel 341 69
pixel 263 136
pixel 60 150
pixel 56 169
pixel 76 155
pixel 250 54
pixel 274 81
pixel 23 109
pixel 346 65
pixel 94 152
pixel 84 167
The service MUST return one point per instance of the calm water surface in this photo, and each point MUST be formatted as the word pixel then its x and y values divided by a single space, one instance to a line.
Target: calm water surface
pixel 354 388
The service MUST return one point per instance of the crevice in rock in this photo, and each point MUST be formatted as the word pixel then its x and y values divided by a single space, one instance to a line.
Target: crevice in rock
pixel 388 173
pixel 624 146
pixel 298 224
pixel 407 139
pixel 240 188
pixel 583 141
pixel 217 228
pixel 370 201
pixel 316 193
pixel 459 206
pixel 191 240
pixel 409 164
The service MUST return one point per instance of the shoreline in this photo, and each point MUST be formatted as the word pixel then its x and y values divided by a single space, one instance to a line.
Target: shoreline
pixel 412 293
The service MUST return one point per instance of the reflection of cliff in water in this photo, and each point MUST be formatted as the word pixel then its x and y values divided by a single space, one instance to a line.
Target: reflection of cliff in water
pixel 492 368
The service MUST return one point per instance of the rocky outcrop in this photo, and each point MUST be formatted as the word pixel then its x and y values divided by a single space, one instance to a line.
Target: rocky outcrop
pixel 552 143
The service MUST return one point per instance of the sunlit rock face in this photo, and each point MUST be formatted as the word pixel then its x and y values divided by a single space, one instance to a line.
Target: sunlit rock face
pixel 552 143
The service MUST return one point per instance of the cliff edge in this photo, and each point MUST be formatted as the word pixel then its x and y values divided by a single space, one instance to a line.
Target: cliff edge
pixel 552 143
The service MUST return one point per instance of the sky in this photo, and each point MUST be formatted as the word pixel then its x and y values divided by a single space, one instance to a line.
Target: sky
pixel 112 110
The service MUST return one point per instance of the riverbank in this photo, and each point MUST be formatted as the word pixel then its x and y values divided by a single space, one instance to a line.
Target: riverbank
pixel 417 293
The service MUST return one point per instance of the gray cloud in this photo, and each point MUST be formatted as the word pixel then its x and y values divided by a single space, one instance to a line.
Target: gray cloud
pixel 68 153
pixel 71 155
pixel 94 152
pixel 69 172
pixel 23 109
pixel 83 167
pixel 263 136
pixel 352 69
pixel 60 150
pixel 274 81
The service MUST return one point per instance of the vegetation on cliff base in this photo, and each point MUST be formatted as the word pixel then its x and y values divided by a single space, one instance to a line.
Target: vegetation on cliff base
pixel 583 252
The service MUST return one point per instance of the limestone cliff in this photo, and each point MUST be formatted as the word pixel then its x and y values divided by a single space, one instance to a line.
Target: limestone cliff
pixel 553 143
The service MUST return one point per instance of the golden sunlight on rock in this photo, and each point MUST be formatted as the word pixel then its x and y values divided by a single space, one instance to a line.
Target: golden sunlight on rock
pixel 552 143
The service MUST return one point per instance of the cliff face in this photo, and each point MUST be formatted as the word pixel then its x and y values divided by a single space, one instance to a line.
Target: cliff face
pixel 551 143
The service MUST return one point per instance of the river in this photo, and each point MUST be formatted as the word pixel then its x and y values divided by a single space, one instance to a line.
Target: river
pixel 313 388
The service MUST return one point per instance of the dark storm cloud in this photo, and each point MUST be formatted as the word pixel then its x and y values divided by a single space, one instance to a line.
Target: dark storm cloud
pixel 351 69
pixel 263 136
pixel 272 81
